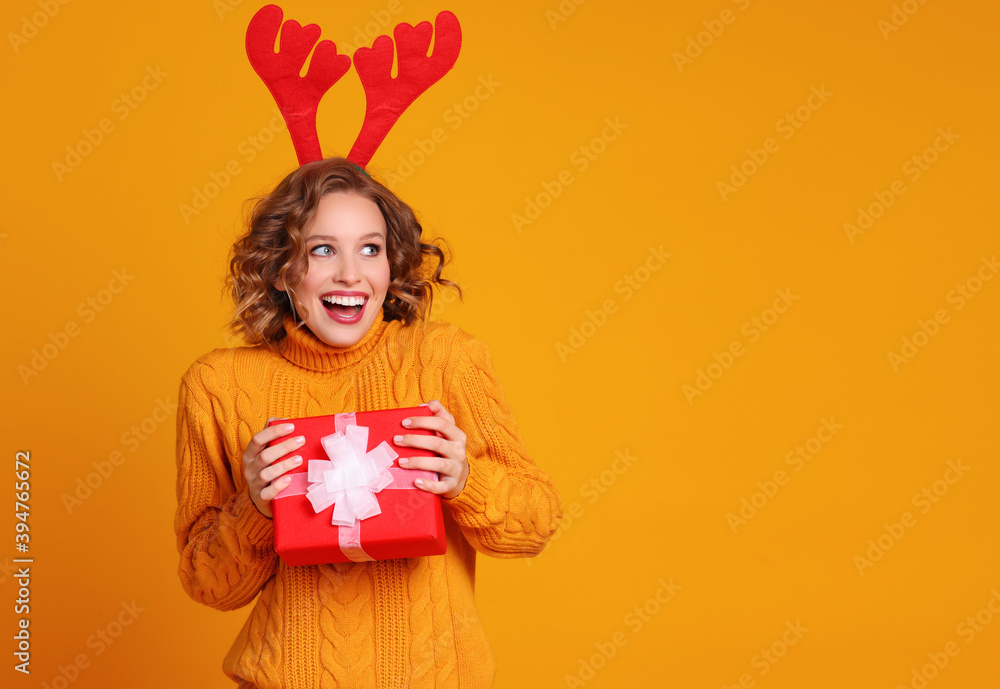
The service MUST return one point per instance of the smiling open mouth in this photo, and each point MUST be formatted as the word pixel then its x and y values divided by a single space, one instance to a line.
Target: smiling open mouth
pixel 345 307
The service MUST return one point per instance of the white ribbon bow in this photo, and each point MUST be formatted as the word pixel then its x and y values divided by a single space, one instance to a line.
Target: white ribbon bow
pixel 351 477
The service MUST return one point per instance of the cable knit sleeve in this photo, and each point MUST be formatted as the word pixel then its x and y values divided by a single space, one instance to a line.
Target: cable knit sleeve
pixel 226 545
pixel 509 507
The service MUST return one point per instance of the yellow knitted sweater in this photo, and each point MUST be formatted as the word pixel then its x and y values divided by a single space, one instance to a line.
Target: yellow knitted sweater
pixel 394 623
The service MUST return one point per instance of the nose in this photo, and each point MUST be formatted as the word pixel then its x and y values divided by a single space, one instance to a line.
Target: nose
pixel 347 269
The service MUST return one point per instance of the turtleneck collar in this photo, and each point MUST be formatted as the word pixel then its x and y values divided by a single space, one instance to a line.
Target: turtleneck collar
pixel 304 349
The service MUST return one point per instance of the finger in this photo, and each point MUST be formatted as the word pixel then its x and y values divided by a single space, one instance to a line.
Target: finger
pixel 436 487
pixel 271 491
pixel 438 410
pixel 438 424
pixel 271 454
pixel 278 468
pixel 440 465
pixel 261 438
pixel 439 446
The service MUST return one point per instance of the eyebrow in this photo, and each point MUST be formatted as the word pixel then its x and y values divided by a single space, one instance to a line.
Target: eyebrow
pixel 328 238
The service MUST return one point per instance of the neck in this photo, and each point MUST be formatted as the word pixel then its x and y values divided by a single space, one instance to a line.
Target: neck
pixel 304 349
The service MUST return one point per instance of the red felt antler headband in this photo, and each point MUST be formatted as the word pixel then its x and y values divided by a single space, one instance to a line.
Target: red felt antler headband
pixel 386 97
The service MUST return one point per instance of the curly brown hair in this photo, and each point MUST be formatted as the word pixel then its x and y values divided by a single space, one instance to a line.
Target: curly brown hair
pixel 274 250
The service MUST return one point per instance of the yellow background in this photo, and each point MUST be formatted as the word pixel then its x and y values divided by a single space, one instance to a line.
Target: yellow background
pixel 557 79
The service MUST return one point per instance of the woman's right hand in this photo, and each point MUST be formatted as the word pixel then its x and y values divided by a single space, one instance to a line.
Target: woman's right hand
pixel 264 474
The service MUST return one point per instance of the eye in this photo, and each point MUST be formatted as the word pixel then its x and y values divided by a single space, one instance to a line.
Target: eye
pixel 371 250
pixel 322 250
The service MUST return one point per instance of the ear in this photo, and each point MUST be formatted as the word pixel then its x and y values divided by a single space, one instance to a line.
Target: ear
pixel 279 285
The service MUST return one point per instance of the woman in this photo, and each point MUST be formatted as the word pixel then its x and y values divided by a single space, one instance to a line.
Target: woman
pixel 331 282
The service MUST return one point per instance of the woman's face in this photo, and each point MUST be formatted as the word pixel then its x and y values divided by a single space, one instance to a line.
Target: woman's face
pixel 347 276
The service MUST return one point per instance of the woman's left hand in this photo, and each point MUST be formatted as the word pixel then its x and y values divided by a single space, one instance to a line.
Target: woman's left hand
pixel 449 445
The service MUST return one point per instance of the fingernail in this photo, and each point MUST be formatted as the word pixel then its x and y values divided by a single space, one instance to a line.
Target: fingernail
pixel 404 460
pixel 300 440
pixel 397 438
pixel 424 404
pixel 296 460
pixel 288 427
pixel 287 479
pixel 418 482
pixel 406 422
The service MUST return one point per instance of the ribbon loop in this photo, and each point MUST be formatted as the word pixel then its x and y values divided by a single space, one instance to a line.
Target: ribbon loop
pixel 351 477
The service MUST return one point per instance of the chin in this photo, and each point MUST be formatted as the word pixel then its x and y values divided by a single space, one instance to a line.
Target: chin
pixel 335 334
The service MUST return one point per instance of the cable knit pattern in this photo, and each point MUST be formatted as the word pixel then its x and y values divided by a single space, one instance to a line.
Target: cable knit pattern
pixel 392 624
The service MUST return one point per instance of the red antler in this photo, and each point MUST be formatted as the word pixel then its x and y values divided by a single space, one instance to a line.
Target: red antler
pixel 297 97
pixel 387 98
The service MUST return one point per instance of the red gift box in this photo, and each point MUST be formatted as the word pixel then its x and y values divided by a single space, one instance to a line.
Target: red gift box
pixel 409 523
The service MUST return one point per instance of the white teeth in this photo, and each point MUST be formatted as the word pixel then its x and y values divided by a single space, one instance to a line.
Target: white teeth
pixel 344 301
